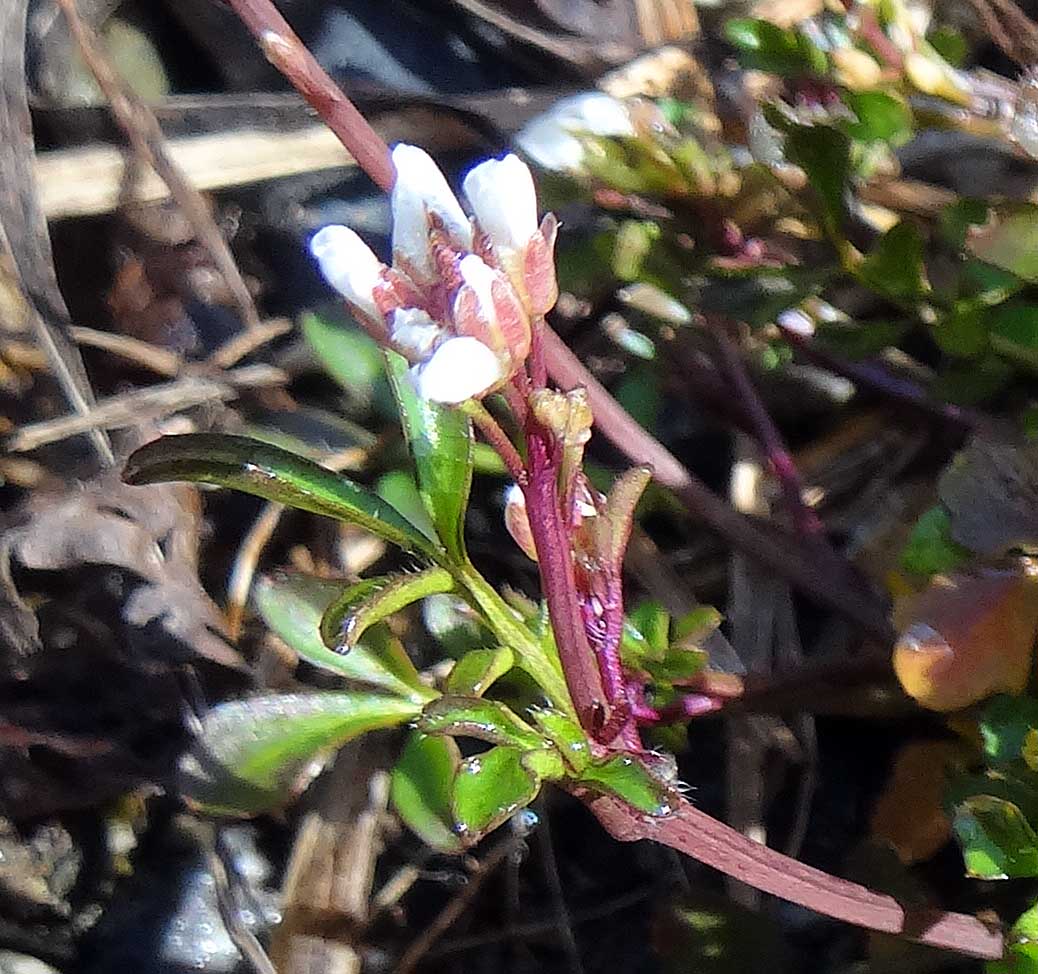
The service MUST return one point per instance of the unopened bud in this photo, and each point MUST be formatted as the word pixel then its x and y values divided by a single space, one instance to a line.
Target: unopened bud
pixel 518 522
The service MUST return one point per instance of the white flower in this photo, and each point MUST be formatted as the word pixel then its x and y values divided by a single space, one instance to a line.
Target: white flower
pixel 552 139
pixel 420 190
pixel 414 333
pixel 459 369
pixel 504 200
pixel 349 265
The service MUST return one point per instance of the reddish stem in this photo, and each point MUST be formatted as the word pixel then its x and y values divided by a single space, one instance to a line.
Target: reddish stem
pixel 283 48
pixel 771 443
pixel 558 581
pixel 696 834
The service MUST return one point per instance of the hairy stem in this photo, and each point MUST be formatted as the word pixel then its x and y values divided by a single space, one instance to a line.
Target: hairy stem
pixel 696 834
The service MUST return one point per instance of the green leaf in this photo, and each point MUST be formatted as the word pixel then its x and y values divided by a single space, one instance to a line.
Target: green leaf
pixel 629 779
pixel 997 842
pixel 268 472
pixel 764 46
pixel 825 156
pixel 652 621
pixel 349 355
pixel 857 340
pixel 880 117
pixel 1009 240
pixel 398 488
pixel 489 788
pixel 251 754
pixel 420 787
pixel 1014 332
pixel 441 442
pixel 476 671
pixel 566 735
pixel 368 602
pixel 292 606
pixel 963 332
pixel 930 549
pixel 894 268
pixel 483 720
pixel 1005 725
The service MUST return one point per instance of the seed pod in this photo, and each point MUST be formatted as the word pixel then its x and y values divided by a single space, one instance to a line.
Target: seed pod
pixel 967 636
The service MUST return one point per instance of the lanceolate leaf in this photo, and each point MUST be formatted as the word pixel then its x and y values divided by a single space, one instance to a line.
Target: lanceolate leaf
pixel 489 787
pixel 372 600
pixel 272 473
pixel 251 753
pixel 421 789
pixel 292 606
pixel 474 673
pixel 484 720
pixel 440 440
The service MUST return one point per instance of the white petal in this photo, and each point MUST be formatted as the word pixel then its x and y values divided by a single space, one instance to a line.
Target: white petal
pixel 460 369
pixel 551 146
pixel 479 276
pixel 596 113
pixel 349 265
pixel 552 139
pixel 503 197
pixel 421 188
pixel 414 332
pixel 514 496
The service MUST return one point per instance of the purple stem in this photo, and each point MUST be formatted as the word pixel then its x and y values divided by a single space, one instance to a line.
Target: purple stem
pixel 558 582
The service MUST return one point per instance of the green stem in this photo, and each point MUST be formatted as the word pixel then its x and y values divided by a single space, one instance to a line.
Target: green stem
pixel 545 671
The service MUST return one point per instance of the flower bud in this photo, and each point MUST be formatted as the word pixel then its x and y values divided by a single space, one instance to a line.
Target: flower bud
pixel 504 200
pixel 421 192
pixel 350 266
pixel 518 522
pixel 461 368
pixel 966 637
pixel 487 307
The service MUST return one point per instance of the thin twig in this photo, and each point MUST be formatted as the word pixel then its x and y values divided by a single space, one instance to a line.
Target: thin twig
pixel 243 569
pixel 236 348
pixel 142 129
pixel 159 360
pixel 496 437
pixel 457 906
pixel 221 868
pixel 152 403
pixel 771 443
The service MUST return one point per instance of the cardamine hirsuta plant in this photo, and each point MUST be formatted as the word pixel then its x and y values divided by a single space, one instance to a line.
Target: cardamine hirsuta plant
pixel 460 313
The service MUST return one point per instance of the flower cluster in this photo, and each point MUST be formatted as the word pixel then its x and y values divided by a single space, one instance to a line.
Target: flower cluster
pixel 460 296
